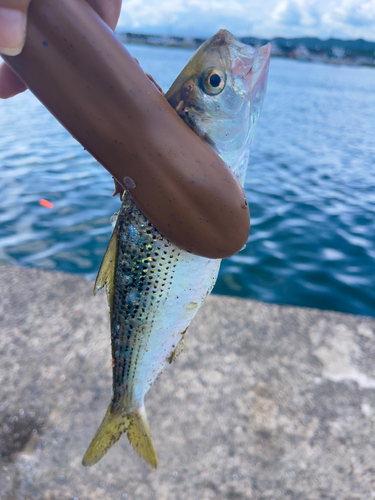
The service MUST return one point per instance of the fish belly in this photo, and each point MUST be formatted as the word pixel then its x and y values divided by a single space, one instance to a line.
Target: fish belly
pixel 158 289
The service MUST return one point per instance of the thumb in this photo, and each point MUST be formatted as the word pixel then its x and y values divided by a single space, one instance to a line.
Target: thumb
pixel 12 26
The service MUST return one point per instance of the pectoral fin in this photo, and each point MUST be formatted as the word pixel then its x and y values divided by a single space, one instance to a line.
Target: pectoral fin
pixel 180 347
pixel 106 274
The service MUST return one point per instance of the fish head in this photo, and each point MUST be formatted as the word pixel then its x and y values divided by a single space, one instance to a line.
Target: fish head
pixel 220 93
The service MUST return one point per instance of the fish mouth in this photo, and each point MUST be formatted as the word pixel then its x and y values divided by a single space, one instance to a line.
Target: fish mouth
pixel 261 66
pixel 251 64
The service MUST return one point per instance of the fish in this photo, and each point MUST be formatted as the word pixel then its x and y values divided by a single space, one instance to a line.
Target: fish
pixel 154 289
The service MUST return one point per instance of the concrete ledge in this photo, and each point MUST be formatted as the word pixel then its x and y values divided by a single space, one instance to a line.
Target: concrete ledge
pixel 269 402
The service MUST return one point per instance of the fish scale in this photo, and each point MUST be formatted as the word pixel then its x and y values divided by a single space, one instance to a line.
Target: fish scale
pixel 154 288
pixel 140 305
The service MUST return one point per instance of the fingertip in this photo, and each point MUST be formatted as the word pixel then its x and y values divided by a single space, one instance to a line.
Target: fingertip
pixel 12 31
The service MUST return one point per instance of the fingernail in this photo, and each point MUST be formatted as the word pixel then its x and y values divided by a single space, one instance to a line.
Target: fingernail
pixel 12 31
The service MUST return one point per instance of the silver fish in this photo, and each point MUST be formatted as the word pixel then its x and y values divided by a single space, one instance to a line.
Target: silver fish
pixel 154 288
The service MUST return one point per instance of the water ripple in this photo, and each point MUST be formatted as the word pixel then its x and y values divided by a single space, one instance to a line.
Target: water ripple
pixel 310 188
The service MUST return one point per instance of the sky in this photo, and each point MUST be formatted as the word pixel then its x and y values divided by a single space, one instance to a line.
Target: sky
pixel 345 19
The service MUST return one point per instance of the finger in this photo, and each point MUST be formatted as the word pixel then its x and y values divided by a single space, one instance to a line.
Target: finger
pixel 108 10
pixel 13 30
pixel 12 26
pixel 10 84
pixel 118 189
pixel 156 84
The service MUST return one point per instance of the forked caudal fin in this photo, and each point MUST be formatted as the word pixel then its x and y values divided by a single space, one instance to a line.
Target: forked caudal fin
pixel 115 422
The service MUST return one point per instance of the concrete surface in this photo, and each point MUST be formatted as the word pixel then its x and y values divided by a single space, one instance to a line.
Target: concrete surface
pixel 269 402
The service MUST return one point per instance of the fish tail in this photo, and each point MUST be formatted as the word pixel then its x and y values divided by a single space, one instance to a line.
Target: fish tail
pixel 115 423
pixel 139 435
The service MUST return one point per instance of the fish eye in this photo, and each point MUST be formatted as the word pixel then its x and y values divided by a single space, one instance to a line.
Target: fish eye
pixel 213 81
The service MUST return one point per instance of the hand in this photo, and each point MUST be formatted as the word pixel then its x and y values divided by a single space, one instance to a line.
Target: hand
pixel 13 16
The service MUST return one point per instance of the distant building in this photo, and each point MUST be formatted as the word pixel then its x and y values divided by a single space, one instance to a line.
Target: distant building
pixel 338 52
pixel 302 53
pixel 276 50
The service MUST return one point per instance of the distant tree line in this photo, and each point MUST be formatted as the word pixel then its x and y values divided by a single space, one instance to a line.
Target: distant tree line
pixel 309 48
pixel 316 45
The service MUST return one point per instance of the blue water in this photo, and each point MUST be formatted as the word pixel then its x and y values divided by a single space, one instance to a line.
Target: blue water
pixel 310 186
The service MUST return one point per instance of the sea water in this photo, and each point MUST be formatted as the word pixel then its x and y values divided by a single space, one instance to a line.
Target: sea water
pixel 310 187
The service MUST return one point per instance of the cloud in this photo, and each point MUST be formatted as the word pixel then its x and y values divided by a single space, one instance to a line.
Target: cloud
pixel 360 15
pixel 289 14
pixel 351 18
pixel 163 12
pixel 296 14
pixel 269 18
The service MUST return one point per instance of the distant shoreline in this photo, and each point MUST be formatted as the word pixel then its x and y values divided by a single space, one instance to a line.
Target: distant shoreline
pixel 331 51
